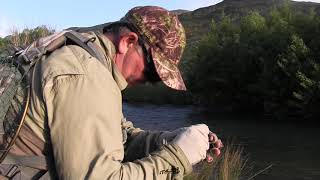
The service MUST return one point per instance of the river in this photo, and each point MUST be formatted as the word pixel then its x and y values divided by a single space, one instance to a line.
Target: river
pixel 292 150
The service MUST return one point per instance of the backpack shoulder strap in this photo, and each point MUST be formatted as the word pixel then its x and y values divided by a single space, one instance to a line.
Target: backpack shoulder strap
pixel 33 53
pixel 85 43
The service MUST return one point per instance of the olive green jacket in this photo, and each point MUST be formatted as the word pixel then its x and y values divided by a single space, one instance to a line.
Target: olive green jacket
pixel 76 110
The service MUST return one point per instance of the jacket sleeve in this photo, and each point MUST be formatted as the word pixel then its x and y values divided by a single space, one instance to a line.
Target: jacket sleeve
pixel 139 143
pixel 84 117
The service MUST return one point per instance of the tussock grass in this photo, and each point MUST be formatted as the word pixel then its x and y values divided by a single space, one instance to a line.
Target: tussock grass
pixel 231 165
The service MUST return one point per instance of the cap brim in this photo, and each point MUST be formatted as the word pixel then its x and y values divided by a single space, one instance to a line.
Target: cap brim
pixel 168 72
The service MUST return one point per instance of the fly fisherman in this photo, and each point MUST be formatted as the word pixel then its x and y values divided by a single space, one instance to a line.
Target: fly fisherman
pixel 74 127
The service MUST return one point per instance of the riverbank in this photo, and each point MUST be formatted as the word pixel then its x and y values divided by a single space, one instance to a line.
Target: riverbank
pixel 159 94
pixel 156 94
pixel 292 150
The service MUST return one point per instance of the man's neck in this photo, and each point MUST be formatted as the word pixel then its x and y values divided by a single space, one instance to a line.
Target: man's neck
pixel 112 38
pixel 117 57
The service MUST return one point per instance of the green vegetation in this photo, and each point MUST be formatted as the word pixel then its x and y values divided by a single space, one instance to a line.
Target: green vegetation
pixel 262 64
pixel 3 45
pixel 23 38
pixel 156 94
pixel 263 61
pixel 197 22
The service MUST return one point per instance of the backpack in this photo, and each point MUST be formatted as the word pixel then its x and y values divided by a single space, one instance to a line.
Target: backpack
pixel 15 81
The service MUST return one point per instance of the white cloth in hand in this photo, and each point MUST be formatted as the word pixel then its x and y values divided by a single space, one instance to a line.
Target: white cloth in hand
pixel 194 142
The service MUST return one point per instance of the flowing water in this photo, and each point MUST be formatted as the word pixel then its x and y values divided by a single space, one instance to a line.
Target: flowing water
pixel 292 150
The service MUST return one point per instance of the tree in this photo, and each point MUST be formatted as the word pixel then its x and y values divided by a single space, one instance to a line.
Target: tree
pixel 270 64
pixel 23 39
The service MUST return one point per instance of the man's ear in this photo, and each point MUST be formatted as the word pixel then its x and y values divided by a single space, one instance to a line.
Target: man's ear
pixel 127 41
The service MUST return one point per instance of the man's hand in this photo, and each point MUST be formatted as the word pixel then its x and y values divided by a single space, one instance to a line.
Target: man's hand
pixel 215 143
pixel 195 142
pixel 215 146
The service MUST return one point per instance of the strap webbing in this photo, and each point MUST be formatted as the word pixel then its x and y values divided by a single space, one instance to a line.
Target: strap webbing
pixel 46 176
pixel 85 43
pixel 38 162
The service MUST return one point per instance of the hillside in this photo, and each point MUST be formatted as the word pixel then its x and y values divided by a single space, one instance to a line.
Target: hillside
pixel 197 22
pixel 197 25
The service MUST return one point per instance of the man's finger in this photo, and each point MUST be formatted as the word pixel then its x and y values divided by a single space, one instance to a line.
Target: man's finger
pixel 209 158
pixel 213 137
pixel 218 144
pixel 216 151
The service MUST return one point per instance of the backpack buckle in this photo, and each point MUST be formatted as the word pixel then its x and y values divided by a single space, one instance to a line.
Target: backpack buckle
pixel 31 55
pixel 90 39
pixel 12 172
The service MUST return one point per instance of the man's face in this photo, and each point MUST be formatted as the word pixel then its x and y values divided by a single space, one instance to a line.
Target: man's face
pixel 134 65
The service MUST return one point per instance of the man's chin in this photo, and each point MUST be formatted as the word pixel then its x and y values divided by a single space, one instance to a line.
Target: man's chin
pixel 135 83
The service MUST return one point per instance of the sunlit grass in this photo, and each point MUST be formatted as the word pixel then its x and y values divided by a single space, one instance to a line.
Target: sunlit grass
pixel 230 165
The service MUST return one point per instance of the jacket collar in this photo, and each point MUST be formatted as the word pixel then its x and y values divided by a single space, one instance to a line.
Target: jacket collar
pixel 110 52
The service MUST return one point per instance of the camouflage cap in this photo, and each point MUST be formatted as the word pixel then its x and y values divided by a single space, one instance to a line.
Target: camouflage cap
pixel 166 37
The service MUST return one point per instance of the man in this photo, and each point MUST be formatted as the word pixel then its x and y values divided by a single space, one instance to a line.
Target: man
pixel 75 117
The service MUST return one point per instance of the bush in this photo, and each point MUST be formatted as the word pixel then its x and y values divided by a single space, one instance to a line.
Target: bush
pixel 267 64
pixel 23 38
